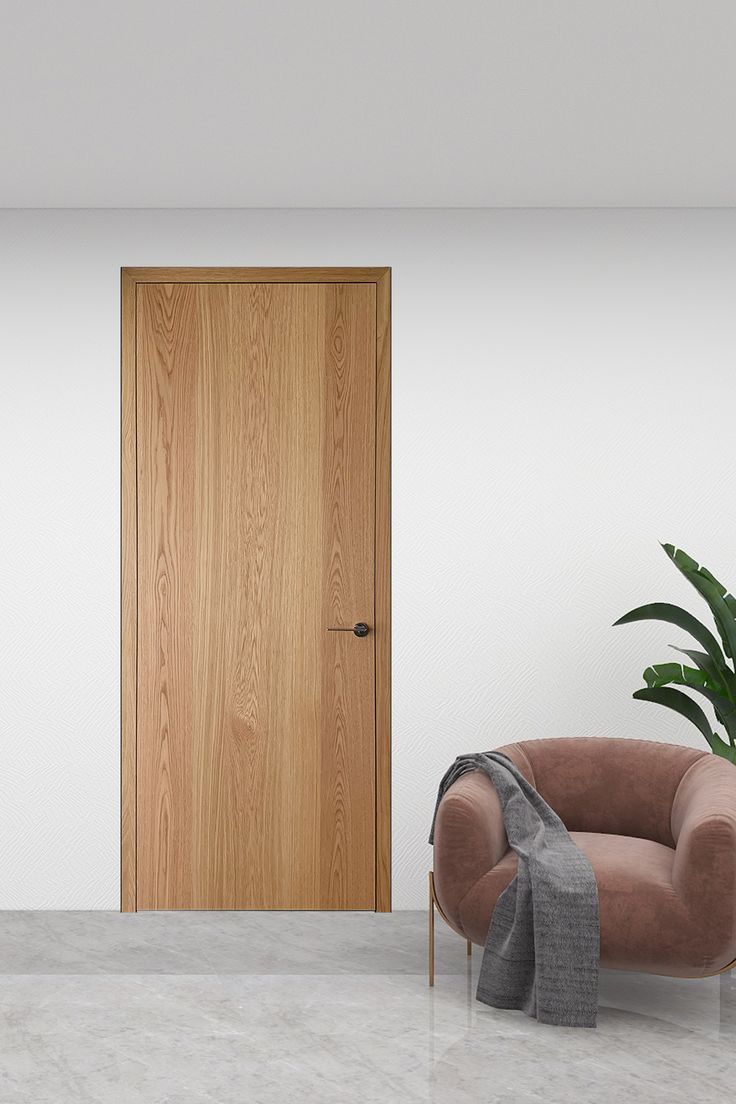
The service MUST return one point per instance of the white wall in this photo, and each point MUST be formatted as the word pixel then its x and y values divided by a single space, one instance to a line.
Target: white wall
pixel 563 386
pixel 560 103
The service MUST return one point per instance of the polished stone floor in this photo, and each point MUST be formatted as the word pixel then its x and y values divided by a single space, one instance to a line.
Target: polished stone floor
pixel 214 1008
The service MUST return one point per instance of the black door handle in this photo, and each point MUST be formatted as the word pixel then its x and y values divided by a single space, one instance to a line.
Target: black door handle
pixel 359 628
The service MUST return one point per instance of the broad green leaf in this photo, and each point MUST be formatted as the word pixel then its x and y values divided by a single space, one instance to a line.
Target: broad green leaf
pixel 664 674
pixel 722 615
pixel 686 707
pixel 675 615
pixel 660 674
pixel 727 598
pixel 681 558
pixel 712 591
pixel 724 709
pixel 721 677
pixel 702 579
pixel 725 751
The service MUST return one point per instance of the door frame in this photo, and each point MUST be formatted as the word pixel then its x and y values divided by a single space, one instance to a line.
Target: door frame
pixel 129 280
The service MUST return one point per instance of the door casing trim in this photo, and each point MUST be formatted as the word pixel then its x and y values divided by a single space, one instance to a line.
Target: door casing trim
pixel 129 279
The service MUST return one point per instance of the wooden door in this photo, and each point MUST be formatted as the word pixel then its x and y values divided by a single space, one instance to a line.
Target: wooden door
pixel 256 488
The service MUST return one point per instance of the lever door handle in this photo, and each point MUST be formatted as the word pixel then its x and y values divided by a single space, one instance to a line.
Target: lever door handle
pixel 359 628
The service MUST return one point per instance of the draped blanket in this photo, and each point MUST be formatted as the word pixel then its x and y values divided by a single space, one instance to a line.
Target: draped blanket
pixel 543 945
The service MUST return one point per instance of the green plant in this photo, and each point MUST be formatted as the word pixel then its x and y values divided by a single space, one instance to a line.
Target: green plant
pixel 712 676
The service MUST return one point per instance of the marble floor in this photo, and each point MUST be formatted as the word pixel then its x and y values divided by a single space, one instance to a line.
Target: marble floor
pixel 215 1008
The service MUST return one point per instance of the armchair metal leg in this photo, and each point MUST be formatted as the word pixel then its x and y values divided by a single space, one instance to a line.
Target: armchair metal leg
pixel 431 930
pixel 433 902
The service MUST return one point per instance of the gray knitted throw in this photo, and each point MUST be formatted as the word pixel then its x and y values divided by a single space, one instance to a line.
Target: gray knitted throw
pixel 543 945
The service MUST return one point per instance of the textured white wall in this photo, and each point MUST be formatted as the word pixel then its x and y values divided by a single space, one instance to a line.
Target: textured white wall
pixel 563 386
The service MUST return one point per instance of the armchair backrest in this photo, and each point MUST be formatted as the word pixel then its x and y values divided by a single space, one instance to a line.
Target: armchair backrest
pixel 623 787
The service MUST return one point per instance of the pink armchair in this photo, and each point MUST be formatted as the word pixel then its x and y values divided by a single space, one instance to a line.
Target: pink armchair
pixel 658 823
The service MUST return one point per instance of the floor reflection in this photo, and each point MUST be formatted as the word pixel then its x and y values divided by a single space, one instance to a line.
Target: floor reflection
pixel 213 1008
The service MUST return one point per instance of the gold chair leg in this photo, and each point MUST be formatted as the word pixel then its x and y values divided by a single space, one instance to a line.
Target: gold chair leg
pixel 434 903
pixel 431 931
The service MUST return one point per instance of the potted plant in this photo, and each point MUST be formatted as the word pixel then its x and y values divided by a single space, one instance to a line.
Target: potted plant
pixel 712 675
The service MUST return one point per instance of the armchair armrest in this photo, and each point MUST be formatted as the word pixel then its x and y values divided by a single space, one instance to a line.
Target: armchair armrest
pixel 704 830
pixel 469 839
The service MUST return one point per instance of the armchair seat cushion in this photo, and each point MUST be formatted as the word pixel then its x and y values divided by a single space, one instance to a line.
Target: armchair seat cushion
pixel 667 903
pixel 644 925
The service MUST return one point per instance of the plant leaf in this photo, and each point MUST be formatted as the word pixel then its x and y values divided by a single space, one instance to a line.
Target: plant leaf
pixel 660 674
pixel 676 615
pixel 722 677
pixel 727 598
pixel 725 711
pixel 663 674
pixel 721 603
pixel 686 707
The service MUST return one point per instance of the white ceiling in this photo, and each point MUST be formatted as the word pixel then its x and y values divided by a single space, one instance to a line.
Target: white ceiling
pixel 337 103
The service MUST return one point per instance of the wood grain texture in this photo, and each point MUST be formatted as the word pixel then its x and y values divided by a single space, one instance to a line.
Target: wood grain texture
pixel 257 275
pixel 128 598
pixel 383 592
pixel 256 498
